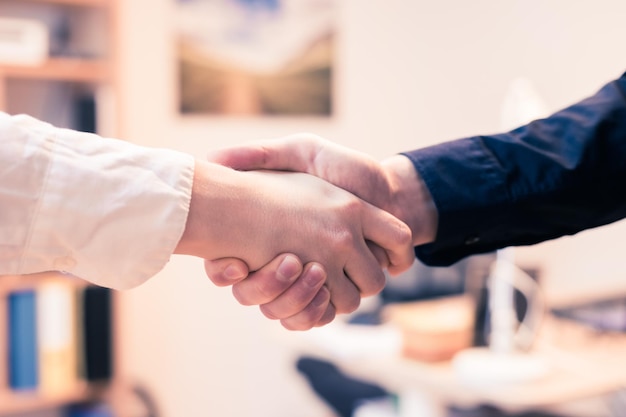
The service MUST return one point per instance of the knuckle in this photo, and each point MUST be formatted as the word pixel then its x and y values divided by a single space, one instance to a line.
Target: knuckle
pixel 301 295
pixel 353 205
pixel 266 291
pixel 374 285
pixel 344 240
pixel 405 237
pixel 351 304
pixel 309 317
pixel 254 292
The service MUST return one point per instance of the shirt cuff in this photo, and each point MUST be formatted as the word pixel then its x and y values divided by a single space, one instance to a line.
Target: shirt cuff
pixel 466 184
pixel 111 212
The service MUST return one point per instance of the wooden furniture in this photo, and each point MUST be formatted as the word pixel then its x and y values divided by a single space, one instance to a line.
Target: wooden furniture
pixel 90 66
pixel 584 364
pixel 89 71
pixel 78 390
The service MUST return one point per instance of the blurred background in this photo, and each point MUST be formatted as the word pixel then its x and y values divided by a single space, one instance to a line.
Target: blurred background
pixel 402 75
pixel 406 74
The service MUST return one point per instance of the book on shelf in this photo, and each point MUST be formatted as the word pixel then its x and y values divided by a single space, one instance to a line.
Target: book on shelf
pixel 57 344
pixel 22 335
pixel 58 336
pixel 97 333
pixel 4 331
pixel 96 409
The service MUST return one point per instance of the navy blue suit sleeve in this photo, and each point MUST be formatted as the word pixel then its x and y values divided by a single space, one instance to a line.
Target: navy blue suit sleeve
pixel 553 177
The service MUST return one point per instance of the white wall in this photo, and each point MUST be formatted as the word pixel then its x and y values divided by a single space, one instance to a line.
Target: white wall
pixel 410 73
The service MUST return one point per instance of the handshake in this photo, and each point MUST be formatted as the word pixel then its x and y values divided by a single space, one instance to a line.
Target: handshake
pixel 304 227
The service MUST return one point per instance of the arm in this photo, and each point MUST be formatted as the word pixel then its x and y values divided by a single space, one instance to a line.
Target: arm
pixel 393 185
pixel 86 205
pixel 113 213
pixel 256 215
pixel 553 177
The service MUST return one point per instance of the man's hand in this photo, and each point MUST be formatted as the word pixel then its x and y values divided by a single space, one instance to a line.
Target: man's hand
pixel 256 216
pixel 283 289
pixel 392 185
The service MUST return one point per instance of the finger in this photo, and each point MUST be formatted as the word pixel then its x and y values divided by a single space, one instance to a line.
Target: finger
pixel 226 271
pixel 327 317
pixel 344 294
pixel 379 253
pixel 269 282
pixel 365 272
pixel 390 234
pixel 275 154
pixel 296 298
pixel 310 316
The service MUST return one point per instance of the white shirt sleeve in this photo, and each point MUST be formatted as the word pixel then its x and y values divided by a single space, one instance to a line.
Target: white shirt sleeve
pixel 101 209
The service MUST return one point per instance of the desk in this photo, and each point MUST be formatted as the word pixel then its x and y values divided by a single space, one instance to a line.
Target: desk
pixel 584 364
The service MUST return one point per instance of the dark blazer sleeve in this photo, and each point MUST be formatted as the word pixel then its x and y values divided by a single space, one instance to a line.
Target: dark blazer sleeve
pixel 553 177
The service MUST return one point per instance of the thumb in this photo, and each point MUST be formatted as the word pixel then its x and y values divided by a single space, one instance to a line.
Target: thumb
pixel 289 153
pixel 242 157
pixel 225 271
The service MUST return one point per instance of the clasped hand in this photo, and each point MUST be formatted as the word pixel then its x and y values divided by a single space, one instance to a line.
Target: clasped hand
pixel 328 238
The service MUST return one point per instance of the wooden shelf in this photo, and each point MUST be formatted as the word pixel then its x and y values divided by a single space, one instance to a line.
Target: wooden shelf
pixel 28 402
pixel 70 2
pixel 97 67
pixel 60 69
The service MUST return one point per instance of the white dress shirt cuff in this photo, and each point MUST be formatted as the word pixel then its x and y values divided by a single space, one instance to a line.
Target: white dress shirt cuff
pixel 109 211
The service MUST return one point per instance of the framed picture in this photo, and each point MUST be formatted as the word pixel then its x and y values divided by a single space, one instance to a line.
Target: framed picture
pixel 255 57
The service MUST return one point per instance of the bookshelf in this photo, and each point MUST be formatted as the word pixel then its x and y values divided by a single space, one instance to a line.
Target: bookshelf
pixel 73 2
pixel 82 60
pixel 64 360
pixel 20 404
pixel 85 65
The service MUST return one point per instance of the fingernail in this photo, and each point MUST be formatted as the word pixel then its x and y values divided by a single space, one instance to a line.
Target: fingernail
pixel 234 273
pixel 288 269
pixel 314 276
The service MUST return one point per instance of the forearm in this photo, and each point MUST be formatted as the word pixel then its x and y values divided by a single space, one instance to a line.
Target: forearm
pixel 102 209
pixel 225 216
pixel 554 177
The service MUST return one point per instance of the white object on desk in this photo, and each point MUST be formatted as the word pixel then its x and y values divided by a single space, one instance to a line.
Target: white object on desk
pixel 381 407
pixel 23 41
pixel 506 360
pixel 501 302
pixel 484 367
pixel 346 341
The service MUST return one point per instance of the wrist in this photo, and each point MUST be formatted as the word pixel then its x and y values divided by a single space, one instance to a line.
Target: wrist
pixel 190 242
pixel 214 212
pixel 219 223
pixel 411 200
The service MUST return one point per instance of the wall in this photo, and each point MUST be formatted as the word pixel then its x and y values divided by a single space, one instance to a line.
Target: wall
pixel 410 73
